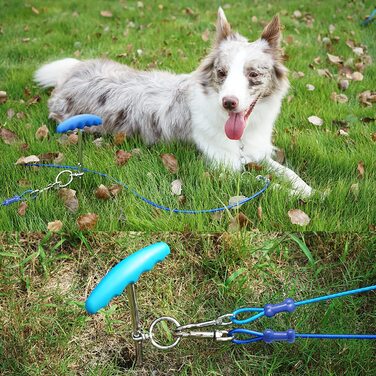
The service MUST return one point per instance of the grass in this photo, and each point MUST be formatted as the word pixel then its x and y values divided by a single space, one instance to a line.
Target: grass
pixel 170 39
pixel 45 278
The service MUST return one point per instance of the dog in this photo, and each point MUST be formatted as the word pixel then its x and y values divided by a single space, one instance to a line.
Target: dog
pixel 227 107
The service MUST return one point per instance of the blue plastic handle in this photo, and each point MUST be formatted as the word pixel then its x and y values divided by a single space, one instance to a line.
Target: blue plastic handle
pixel 125 272
pixel 78 122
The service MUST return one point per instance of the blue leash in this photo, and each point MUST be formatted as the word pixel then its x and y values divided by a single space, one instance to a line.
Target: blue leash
pixel 288 305
pixel 135 193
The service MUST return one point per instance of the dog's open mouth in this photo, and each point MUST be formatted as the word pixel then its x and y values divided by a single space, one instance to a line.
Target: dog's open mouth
pixel 235 125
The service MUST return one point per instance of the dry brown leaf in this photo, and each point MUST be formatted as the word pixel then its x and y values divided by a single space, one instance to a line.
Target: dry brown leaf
pixel 357 76
pixel 253 166
pixel 106 13
pixel 373 136
pixel 87 221
pixel 48 157
pixel 259 213
pixel 240 221
pixel 298 217
pixel 33 100
pixel 10 113
pixel 122 157
pixel 315 120
pixel 3 97
pixel 279 156
pixel 235 200
pixel 119 138
pixel 22 208
pixel 73 139
pixel 360 169
pixel 98 142
pixel 24 183
pixel 42 133
pixel 8 136
pixel 317 60
pixel 176 187
pixel 69 198
pixel 334 59
pixel 115 189
pixel 34 10
pixel 343 84
pixel 170 162
pixel 205 35
pixel 55 226
pixel 339 98
pixel 324 73
pixel 367 97
pixel 102 193
pixel 29 159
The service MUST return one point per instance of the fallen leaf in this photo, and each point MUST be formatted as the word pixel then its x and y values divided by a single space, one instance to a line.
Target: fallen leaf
pixel 8 136
pixel 119 138
pixel 106 13
pixel 29 159
pixel 122 157
pixel 259 213
pixel 87 221
pixel 357 76
pixel 373 136
pixel 279 156
pixel 42 133
pixel 315 120
pixel 310 87
pixel 170 162
pixel 368 119
pixel 33 100
pixel 205 35
pixel 176 187
pixel 55 226
pixel 342 132
pixel 20 115
pixel 343 84
pixel 298 217
pixel 115 189
pixel 136 152
pixel 22 208
pixel 253 166
pixel 3 97
pixel 297 14
pixel 360 169
pixel 69 198
pixel 34 10
pixel 317 60
pixel 354 189
pixel 238 222
pixel 73 139
pixel 48 157
pixel 367 97
pixel 334 59
pixel 10 113
pixel 339 98
pixel 331 28
pixel 98 142
pixel 235 200
pixel 182 199
pixel 324 73
pixel 24 183
pixel 102 193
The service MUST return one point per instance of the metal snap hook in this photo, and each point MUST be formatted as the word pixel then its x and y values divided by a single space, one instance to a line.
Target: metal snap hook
pixel 59 183
pixel 151 334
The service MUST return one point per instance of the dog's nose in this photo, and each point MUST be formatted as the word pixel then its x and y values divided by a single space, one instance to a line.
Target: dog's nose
pixel 230 103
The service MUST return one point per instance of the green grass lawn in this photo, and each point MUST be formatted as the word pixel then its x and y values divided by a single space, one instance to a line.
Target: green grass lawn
pixel 169 36
pixel 44 280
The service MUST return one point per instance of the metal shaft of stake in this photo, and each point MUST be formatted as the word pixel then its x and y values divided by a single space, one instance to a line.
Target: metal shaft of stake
pixel 80 155
pixel 131 292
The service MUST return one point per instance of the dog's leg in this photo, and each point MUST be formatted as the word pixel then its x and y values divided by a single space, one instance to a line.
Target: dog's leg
pixel 298 184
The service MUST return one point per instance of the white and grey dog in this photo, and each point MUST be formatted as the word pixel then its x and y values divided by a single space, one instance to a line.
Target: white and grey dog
pixel 227 107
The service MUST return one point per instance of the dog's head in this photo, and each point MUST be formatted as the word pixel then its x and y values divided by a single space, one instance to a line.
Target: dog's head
pixel 242 72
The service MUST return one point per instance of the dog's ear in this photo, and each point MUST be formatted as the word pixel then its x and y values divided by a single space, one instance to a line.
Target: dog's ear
pixel 272 32
pixel 223 27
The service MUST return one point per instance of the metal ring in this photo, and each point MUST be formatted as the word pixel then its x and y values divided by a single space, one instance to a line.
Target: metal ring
pixel 151 335
pixel 57 181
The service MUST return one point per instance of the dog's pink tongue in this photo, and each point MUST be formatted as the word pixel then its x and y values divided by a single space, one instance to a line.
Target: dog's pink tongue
pixel 234 126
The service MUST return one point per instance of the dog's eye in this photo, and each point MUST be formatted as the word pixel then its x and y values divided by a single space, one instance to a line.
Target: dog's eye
pixel 221 73
pixel 253 74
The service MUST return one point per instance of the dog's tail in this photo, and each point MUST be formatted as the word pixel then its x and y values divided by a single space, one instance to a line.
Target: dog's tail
pixel 53 74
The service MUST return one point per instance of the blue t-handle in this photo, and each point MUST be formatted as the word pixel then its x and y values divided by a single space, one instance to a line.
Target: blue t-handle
pixel 78 122
pixel 125 272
